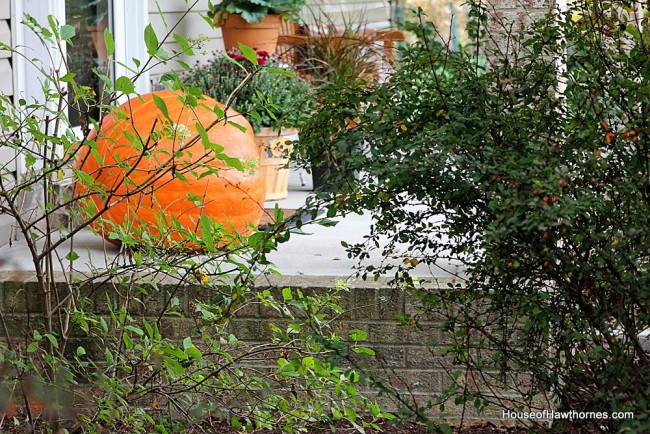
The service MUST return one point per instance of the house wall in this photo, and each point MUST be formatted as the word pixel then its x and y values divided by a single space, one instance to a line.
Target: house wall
pixel 6 75
pixel 374 14
pixel 165 14
pixel 7 155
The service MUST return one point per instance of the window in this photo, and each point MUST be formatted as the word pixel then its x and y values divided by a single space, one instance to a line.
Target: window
pixel 127 20
pixel 88 52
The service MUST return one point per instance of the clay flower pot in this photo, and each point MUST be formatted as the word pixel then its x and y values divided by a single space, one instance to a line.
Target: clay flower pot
pixel 262 35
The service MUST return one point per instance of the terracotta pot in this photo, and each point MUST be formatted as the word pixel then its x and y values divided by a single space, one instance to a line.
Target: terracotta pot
pixel 275 148
pixel 263 35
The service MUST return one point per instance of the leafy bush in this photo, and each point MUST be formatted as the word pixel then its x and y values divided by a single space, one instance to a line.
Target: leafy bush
pixel 527 181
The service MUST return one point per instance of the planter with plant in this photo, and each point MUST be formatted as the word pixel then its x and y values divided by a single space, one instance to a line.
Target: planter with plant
pixel 273 100
pixel 255 23
pixel 335 60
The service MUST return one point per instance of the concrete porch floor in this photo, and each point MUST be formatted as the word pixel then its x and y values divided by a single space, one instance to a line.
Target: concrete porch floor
pixel 317 254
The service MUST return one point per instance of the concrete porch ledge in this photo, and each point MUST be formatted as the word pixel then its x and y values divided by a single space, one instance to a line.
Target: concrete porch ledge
pixel 317 254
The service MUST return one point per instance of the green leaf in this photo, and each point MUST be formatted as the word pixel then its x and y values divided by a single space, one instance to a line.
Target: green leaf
pixel 72 256
pixel 103 325
pixel 205 140
pixel 286 294
pixel 32 347
pixel 174 368
pixel 187 343
pixel 68 78
pixel 280 71
pixel 127 341
pixel 50 337
pixel 350 413
pixel 248 53
pixel 364 351
pixel 241 128
pixel 151 40
pixel 148 328
pixel 30 159
pixel 124 84
pixel 194 353
pixel 183 44
pixel 53 26
pixel 109 356
pixel 205 225
pixel 67 32
pixel 162 106
pixel 81 351
pixel 138 331
pixel 358 335
pixel 109 41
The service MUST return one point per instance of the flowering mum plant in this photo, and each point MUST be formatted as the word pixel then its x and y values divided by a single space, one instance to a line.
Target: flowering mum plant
pixel 271 96
pixel 261 55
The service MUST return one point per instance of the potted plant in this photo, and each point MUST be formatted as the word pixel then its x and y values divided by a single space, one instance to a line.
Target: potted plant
pixel 275 103
pixel 255 23
pixel 335 59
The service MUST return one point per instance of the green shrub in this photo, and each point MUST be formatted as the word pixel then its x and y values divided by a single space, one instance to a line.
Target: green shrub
pixel 528 182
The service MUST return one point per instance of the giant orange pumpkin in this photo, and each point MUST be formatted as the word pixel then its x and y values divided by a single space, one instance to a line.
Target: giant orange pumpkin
pixel 151 168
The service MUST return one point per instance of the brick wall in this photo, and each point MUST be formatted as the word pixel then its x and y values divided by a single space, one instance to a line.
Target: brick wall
pixel 412 361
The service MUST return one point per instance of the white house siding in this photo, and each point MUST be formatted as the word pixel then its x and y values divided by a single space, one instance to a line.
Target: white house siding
pixel 371 14
pixel 7 156
pixel 6 74
pixel 164 14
